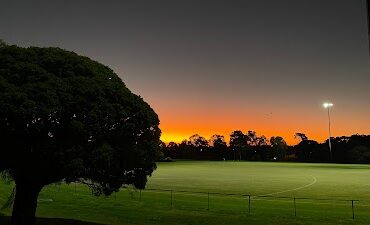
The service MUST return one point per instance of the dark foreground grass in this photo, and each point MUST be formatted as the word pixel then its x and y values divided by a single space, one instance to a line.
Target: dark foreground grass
pixel 330 186
pixel 49 221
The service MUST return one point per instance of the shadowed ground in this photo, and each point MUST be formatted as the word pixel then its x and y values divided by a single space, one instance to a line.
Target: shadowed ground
pixel 5 220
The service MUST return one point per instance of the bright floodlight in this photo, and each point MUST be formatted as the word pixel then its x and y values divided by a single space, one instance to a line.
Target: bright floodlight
pixel 327 104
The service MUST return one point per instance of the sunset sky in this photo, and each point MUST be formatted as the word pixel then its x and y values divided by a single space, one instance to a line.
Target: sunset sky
pixel 211 67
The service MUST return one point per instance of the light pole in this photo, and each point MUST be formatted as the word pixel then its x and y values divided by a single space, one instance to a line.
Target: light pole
pixel 328 105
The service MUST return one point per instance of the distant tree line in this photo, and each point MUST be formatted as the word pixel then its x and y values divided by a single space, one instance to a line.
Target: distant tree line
pixel 249 146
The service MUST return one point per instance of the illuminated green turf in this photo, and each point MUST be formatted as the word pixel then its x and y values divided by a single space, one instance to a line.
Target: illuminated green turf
pixel 319 181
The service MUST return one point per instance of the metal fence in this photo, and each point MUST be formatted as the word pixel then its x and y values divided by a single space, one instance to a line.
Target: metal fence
pixel 217 202
pixel 250 200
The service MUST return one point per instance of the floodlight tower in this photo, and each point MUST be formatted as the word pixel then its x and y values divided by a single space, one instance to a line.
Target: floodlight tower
pixel 368 21
pixel 328 105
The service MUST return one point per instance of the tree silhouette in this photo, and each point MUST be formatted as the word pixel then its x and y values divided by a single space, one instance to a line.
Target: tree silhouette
pixel 309 151
pixel 301 136
pixel 64 117
pixel 217 140
pixel 251 138
pixel 359 154
pixel 238 143
pixel 219 147
pixel 198 141
pixel 172 146
pixel 278 147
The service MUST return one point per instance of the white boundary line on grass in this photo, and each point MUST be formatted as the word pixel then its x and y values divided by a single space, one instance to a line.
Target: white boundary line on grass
pixel 294 189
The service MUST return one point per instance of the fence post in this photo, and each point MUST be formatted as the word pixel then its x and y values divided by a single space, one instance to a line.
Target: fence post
pixel 295 207
pixel 249 203
pixel 171 199
pixel 353 211
pixel 208 202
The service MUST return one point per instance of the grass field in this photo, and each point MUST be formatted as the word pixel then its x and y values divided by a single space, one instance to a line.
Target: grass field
pixel 272 186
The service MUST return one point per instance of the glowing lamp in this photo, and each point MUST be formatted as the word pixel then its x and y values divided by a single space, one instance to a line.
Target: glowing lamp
pixel 327 104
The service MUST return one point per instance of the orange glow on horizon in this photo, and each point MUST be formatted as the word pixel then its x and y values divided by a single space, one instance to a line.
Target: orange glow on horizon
pixel 179 131
pixel 178 137
pixel 178 125
pixel 181 119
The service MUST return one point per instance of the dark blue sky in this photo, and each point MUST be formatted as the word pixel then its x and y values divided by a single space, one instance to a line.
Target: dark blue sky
pixel 214 66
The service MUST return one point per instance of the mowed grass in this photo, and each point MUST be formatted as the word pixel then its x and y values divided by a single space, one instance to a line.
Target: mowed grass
pixel 272 187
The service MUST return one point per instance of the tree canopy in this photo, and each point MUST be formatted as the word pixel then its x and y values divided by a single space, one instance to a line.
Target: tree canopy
pixel 64 117
pixel 2 43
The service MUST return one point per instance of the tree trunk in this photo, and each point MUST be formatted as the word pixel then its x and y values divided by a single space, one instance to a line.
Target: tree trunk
pixel 25 203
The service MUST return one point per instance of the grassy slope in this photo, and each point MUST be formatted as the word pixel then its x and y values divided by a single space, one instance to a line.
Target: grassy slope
pixel 325 181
